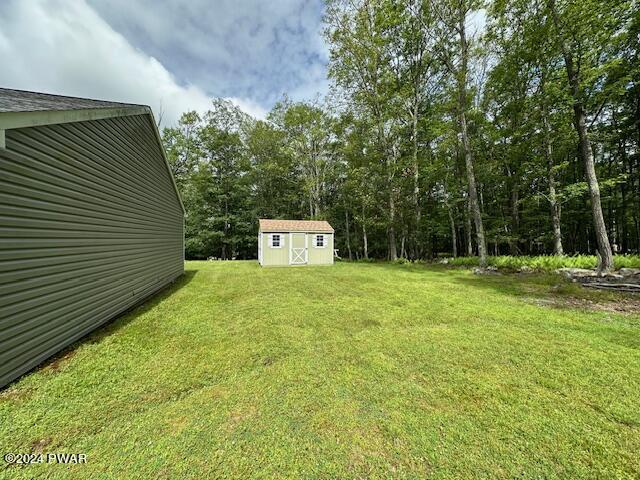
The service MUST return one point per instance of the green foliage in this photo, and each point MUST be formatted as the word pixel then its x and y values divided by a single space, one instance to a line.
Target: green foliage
pixel 353 371
pixel 308 142
pixel 381 157
pixel 402 261
pixel 209 159
pixel 545 263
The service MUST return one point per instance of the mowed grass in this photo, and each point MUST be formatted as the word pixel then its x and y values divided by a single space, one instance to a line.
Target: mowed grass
pixel 351 371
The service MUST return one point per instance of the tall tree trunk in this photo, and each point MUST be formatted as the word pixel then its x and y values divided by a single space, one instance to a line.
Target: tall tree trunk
pixel 225 228
pixel 635 210
pixel 558 249
pixel 393 249
pixel 605 263
pixel 467 232
pixel 473 193
pixel 553 198
pixel 454 235
pixel 515 215
pixel 624 235
pixel 604 247
pixel 622 220
pixel 346 219
pixel 416 176
pixel 365 244
pixel 389 153
pixel 317 190
pixel 468 154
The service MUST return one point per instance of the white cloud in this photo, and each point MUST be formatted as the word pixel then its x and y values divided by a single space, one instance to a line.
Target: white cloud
pixel 65 47
pixel 252 49
pixel 249 106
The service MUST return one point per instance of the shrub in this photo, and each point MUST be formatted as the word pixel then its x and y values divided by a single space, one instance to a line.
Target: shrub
pixel 545 262
pixel 402 261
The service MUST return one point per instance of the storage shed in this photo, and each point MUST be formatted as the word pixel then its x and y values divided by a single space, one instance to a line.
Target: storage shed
pixel 295 242
pixel 91 222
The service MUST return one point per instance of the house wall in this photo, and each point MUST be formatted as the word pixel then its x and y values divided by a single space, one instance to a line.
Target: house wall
pixel 91 225
pixel 280 256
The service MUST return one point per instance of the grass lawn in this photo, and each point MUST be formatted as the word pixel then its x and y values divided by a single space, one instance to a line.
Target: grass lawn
pixel 351 371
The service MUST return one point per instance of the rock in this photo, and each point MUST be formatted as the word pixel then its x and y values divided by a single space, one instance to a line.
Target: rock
pixel 625 280
pixel 582 272
pixel 525 269
pixel 612 276
pixel 485 271
pixel 574 274
pixel 620 287
pixel 629 272
pixel 584 275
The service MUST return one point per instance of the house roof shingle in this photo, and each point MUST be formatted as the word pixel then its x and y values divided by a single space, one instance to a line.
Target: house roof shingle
pixel 24 101
pixel 268 225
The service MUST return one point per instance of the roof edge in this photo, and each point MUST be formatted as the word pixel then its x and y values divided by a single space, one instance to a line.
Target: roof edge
pixel 287 230
pixel 9 120
pixel 274 225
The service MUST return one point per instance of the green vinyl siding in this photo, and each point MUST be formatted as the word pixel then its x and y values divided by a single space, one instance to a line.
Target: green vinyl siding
pixel 91 224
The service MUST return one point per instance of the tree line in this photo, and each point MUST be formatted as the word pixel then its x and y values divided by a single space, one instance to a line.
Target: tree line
pixel 452 127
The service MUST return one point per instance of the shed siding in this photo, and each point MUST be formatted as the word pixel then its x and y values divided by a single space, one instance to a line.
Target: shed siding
pixel 90 225
pixel 280 256
pixel 321 256
pixel 275 256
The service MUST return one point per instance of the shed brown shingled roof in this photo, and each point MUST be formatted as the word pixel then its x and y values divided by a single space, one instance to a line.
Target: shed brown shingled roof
pixel 267 225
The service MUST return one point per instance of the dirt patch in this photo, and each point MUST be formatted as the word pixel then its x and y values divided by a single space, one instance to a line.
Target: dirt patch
pixel 370 322
pixel 239 416
pixel 57 362
pixel 626 306
pixel 37 446
pixel 15 394
pixel 178 424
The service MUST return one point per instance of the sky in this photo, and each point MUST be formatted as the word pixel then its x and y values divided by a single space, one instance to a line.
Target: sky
pixel 173 55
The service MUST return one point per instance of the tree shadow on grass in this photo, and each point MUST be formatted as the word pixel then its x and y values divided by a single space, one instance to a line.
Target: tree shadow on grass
pixel 417 268
pixel 543 289
pixel 510 283
pixel 514 284
pixel 550 290
pixel 116 323
pixel 531 284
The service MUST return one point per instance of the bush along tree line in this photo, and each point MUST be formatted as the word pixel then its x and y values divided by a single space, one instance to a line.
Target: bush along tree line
pixel 452 127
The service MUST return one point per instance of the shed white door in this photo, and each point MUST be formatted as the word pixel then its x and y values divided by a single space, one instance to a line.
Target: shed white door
pixel 298 249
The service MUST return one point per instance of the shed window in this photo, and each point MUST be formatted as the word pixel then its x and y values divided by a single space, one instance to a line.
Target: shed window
pixel 320 241
pixel 276 240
